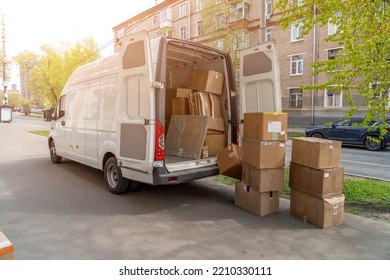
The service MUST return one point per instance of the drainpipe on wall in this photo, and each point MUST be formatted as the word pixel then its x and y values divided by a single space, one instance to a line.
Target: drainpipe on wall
pixel 189 19
pixel 263 23
pixel 314 77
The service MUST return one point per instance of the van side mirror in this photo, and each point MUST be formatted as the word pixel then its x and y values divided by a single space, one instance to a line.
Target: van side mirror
pixel 47 115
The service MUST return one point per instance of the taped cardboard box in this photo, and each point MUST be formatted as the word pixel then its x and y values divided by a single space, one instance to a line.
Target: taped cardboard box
pixel 186 136
pixel 323 213
pixel 229 161
pixel 265 126
pixel 206 80
pixel 259 203
pixel 6 248
pixel 322 183
pixel 213 144
pixel 315 152
pixel 263 180
pixel 263 154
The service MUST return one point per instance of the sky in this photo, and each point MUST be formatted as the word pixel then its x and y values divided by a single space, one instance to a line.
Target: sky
pixel 32 23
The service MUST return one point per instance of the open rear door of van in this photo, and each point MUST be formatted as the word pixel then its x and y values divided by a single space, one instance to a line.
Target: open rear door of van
pixel 259 80
pixel 138 117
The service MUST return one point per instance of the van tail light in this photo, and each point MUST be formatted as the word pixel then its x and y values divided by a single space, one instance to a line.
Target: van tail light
pixel 159 153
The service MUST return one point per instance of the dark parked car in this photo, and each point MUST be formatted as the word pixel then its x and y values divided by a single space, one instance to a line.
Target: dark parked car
pixel 350 132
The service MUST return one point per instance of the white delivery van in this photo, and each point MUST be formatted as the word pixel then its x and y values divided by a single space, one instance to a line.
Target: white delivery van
pixel 113 114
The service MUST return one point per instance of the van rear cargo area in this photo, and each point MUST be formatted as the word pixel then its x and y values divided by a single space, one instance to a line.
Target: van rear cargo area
pixel 195 121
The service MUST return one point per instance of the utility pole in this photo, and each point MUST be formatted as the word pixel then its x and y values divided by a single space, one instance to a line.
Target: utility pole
pixel 5 82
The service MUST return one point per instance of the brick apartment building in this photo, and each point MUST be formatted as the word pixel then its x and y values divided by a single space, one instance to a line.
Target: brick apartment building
pixel 183 19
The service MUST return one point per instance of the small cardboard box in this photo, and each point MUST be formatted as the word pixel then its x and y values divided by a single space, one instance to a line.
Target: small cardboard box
pixel 183 92
pixel 321 183
pixel 265 126
pixel 263 154
pixel 186 135
pixel 259 203
pixel 229 161
pixel 180 106
pixel 213 144
pixel 263 180
pixel 6 248
pixel 315 152
pixel 205 80
pixel 323 213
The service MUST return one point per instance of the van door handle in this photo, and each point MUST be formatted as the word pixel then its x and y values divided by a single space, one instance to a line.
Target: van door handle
pixel 63 123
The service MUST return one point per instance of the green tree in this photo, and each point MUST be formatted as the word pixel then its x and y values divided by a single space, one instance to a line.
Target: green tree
pixel 48 71
pixel 363 64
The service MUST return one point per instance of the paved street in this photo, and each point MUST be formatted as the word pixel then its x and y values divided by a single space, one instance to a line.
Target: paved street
pixel 65 212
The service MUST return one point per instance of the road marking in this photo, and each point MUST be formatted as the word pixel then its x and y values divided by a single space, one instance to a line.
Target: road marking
pixel 366 163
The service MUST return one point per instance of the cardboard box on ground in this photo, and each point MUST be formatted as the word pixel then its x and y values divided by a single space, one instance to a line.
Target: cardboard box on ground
pixel 6 248
pixel 316 181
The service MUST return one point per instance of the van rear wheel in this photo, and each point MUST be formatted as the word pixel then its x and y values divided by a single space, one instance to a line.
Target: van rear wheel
pixel 113 177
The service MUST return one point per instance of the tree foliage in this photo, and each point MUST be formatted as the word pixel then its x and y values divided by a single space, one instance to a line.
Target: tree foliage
pixel 363 64
pixel 47 71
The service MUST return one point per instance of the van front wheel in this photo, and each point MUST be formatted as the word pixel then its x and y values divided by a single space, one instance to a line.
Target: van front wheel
pixel 113 177
pixel 53 154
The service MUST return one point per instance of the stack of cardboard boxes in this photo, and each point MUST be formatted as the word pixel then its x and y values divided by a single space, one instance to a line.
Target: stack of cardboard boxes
pixel 200 104
pixel 316 181
pixel 263 160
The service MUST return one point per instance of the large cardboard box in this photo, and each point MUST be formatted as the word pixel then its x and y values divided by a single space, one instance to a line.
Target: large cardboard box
pixel 229 161
pixel 315 152
pixel 216 125
pixel 322 183
pixel 263 180
pixel 323 213
pixel 6 248
pixel 180 106
pixel 213 144
pixel 186 135
pixel 263 154
pixel 205 80
pixel 265 126
pixel 259 203
pixel 183 92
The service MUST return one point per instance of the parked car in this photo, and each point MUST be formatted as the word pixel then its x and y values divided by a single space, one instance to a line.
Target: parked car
pixel 351 132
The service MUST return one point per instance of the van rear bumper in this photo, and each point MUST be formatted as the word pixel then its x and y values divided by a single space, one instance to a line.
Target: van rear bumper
pixel 162 177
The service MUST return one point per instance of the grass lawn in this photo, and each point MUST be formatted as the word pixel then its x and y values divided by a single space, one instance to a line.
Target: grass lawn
pixel 40 132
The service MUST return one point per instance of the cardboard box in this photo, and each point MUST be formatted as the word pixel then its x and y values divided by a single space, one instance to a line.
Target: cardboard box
pixel 229 161
pixel 213 144
pixel 6 248
pixel 263 154
pixel 183 92
pixel 205 80
pixel 265 126
pixel 216 125
pixel 259 203
pixel 169 95
pixel 321 183
pixel 315 152
pixel 323 213
pixel 180 106
pixel 186 135
pixel 263 180
pixel 204 103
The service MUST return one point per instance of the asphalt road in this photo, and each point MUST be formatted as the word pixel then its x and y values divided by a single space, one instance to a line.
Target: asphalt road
pixel 65 212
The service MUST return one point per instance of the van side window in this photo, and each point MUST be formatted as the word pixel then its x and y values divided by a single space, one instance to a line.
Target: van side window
pixel 59 112
pixel 134 55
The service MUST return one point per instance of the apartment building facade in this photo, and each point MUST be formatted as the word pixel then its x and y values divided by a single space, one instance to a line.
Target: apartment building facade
pixel 185 19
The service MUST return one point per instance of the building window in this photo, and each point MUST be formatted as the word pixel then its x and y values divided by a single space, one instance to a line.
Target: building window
pixel 155 22
pixel 268 8
pixel 221 23
pixel 199 28
pixel 199 5
pixel 219 45
pixel 183 10
pixel 163 15
pixel 381 92
pixel 183 32
pixel 332 27
pixel 298 2
pixel 296 65
pixel 296 31
pixel 239 11
pixel 268 36
pixel 333 98
pixel 333 53
pixel 295 98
